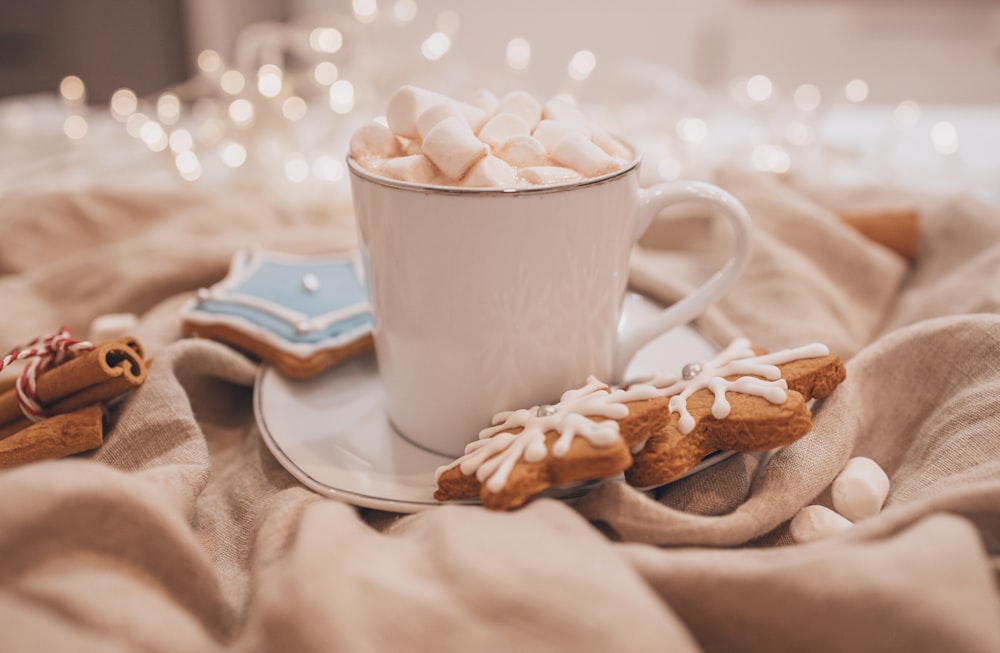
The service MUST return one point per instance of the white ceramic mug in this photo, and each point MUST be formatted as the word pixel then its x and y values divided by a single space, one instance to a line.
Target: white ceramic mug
pixel 496 299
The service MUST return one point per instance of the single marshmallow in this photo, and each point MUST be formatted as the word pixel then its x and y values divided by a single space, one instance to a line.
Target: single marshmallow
pixel 544 175
pixel 579 152
pixel 610 144
pixel 374 140
pixel 523 150
pixel 415 168
pixel 490 172
pixel 503 126
pixel 407 104
pixel 475 116
pixel 435 114
pixel 113 325
pixel 861 489
pixel 523 104
pixel 485 100
pixel 453 147
pixel 551 132
pixel 563 111
pixel 816 523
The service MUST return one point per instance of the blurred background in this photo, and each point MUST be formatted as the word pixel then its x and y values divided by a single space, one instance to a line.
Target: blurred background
pixel 926 50
pixel 252 91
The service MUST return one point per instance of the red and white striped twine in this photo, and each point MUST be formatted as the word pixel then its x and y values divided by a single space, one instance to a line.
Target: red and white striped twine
pixel 45 352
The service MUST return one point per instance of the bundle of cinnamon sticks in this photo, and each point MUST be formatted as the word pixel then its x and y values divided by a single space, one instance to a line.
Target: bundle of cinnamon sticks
pixel 73 396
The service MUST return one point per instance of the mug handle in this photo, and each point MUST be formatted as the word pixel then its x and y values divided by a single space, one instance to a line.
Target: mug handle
pixel 651 201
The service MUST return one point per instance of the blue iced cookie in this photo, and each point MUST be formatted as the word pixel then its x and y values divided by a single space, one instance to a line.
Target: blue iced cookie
pixel 302 314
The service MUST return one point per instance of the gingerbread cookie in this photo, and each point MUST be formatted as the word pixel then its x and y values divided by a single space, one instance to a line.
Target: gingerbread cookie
pixel 527 451
pixel 654 430
pixel 302 314
pixel 742 400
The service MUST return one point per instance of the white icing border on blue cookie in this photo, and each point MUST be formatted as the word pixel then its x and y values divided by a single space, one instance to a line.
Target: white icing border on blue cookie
pixel 262 315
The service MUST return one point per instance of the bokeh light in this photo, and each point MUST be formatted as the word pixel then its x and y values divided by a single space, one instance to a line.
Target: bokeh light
pixel 233 154
pixel 325 73
pixel 269 81
pixel 582 65
pixel 365 11
pixel 944 136
pixel 435 46
pixel 241 112
pixel 296 167
pixel 759 88
pixel 807 97
pixel 906 114
pixel 326 39
pixel 404 11
pixel 342 96
pixel 692 130
pixel 856 90
pixel 209 61
pixel 232 82
pixel 75 127
pixel 123 103
pixel 294 108
pixel 168 108
pixel 518 53
pixel 72 89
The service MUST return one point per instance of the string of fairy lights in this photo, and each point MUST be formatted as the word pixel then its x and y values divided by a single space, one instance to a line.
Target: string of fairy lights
pixel 282 111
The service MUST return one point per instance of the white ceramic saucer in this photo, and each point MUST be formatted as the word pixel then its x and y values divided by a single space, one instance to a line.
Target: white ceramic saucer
pixel 331 433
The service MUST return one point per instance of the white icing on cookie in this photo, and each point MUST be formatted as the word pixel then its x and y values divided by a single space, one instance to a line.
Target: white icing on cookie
pixel 578 413
pixel 492 457
pixel 738 359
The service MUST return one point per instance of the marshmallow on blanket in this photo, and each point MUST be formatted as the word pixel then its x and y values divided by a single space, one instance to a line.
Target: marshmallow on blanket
pixel 816 522
pixel 453 148
pixel 860 489
pixel 579 152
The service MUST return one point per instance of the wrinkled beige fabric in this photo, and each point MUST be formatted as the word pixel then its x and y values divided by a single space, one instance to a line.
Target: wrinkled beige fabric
pixel 182 533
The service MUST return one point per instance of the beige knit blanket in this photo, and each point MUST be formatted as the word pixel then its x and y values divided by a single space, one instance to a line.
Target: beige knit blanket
pixel 183 533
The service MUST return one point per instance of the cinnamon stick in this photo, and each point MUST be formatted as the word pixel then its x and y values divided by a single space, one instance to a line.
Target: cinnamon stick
pixel 54 437
pixel 91 377
pixel 897 229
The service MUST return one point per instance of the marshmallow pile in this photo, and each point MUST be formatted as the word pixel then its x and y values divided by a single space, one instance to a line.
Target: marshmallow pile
pixel 859 491
pixel 485 142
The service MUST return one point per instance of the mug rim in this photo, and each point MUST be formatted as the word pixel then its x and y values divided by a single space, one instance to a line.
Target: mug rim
pixel 357 169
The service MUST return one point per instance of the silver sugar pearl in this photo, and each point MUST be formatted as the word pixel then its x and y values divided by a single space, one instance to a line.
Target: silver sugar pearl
pixel 203 295
pixel 690 371
pixel 310 282
pixel 545 410
pixel 303 327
